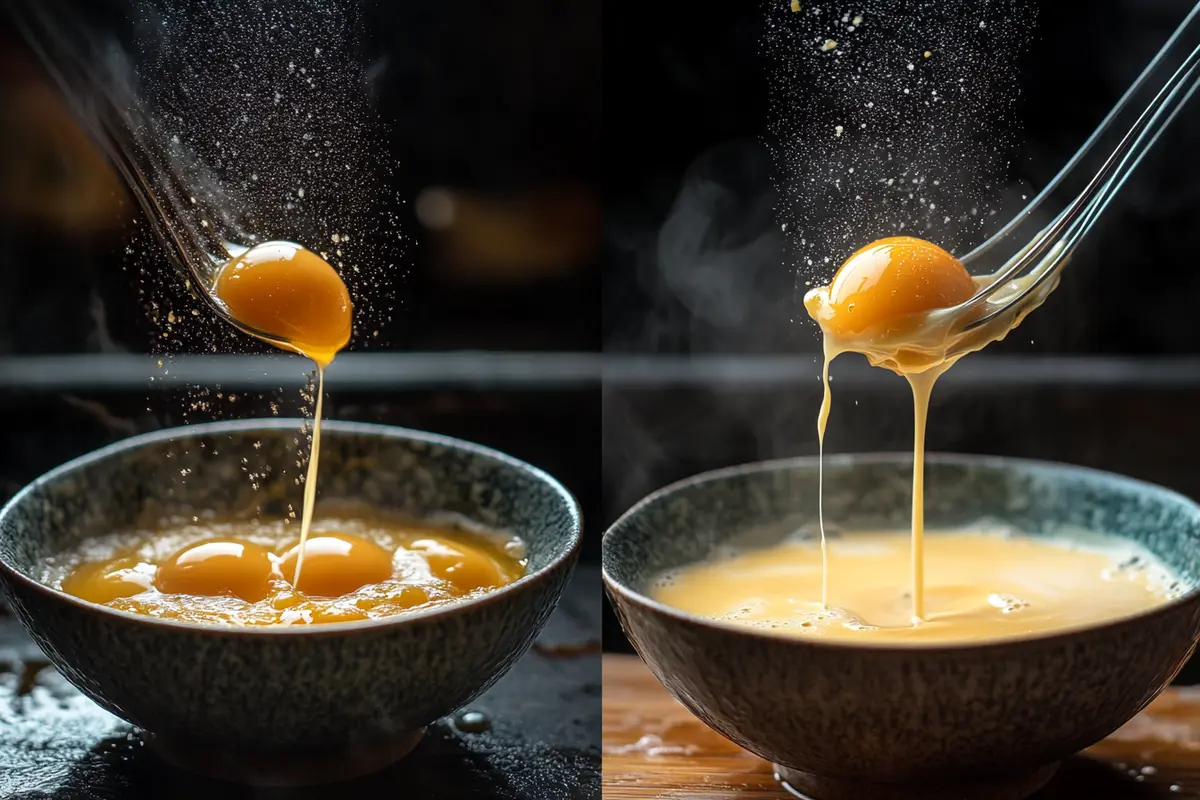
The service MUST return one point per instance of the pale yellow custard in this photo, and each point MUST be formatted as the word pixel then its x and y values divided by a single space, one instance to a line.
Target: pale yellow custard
pixel 978 586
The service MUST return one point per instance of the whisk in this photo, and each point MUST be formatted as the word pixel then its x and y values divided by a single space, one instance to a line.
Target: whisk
pixel 1036 255
pixel 185 205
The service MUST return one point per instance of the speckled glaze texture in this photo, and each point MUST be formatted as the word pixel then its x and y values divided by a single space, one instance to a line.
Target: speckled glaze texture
pixel 933 720
pixel 293 690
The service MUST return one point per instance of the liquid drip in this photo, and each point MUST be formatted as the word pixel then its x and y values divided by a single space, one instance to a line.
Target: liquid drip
pixel 894 301
pixel 922 387
pixel 822 424
pixel 310 481
pixel 292 299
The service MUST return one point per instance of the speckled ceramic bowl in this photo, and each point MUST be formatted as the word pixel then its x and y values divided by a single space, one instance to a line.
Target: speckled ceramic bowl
pixel 298 704
pixel 932 722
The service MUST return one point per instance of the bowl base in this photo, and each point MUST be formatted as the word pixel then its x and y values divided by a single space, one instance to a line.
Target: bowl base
pixel 1016 786
pixel 284 770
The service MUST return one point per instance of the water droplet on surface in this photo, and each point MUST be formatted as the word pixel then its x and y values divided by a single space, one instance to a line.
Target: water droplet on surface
pixel 472 722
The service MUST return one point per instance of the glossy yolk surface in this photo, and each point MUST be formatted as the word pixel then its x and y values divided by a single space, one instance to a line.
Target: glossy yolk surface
pixel 467 569
pixel 106 581
pixel 239 573
pixel 881 285
pixel 336 564
pixel 218 567
pixel 291 296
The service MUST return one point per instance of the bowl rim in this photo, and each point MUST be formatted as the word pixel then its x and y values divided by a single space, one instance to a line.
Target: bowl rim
pixel 620 589
pixel 373 429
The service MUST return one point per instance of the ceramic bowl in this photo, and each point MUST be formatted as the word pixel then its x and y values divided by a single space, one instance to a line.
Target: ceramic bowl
pixel 843 720
pixel 286 705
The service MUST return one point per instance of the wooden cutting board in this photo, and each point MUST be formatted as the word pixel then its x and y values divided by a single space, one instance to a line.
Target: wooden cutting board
pixel 654 748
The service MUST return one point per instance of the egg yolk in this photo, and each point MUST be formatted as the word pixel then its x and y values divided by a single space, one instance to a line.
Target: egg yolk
pixel 289 295
pixel 218 567
pixel 883 283
pixel 337 564
pixel 106 581
pixel 465 569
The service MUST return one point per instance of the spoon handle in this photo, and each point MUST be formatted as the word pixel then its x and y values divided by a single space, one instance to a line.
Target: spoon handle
pixel 182 202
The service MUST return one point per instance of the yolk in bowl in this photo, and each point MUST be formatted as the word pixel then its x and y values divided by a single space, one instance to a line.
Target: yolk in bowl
pixel 106 581
pixel 218 567
pixel 337 563
pixel 240 573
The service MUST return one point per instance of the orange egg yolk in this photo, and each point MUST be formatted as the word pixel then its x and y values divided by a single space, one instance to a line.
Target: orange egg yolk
pixel 881 285
pixel 337 564
pixel 110 580
pixel 218 567
pixel 290 296
pixel 467 570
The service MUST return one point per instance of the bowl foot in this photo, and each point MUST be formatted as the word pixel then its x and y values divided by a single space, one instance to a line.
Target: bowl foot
pixel 1017 786
pixel 284 769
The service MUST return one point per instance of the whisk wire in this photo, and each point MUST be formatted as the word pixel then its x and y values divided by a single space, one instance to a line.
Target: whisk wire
pixel 1044 255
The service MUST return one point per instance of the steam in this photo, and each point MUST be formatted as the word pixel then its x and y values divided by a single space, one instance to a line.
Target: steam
pixel 711 269
pixel 717 242
pixel 886 118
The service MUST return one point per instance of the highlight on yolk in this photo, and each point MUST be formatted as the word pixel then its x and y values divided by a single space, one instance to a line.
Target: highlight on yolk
pixel 106 581
pixel 218 567
pixel 467 570
pixel 888 280
pixel 290 295
pixel 336 564
pixel 240 572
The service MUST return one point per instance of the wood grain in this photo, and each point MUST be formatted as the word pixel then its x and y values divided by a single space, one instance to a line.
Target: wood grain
pixel 654 748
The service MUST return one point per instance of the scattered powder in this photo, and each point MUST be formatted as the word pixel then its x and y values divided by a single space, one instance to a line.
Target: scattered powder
pixel 930 145
pixel 244 119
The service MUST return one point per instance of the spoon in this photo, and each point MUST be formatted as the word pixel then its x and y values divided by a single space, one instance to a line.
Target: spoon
pixel 184 204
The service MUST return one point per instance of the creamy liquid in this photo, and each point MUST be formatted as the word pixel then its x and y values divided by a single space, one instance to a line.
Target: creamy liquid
pixel 920 347
pixel 978 586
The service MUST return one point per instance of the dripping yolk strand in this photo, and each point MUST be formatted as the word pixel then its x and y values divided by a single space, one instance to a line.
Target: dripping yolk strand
pixel 882 285
pixel 337 564
pixel 290 296
pixel 218 567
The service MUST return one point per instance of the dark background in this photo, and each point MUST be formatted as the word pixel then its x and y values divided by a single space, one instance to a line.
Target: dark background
pixel 493 336
pixel 1104 375
pixel 498 104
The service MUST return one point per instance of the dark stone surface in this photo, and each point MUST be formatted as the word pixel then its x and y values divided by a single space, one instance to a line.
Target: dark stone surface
pixel 543 742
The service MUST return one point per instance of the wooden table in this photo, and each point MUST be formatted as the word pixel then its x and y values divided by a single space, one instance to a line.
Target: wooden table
pixel 654 748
